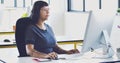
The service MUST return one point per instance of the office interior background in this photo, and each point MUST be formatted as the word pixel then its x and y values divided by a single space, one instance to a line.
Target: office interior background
pixel 67 17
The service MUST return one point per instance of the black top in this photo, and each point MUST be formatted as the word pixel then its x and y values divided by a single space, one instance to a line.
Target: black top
pixel 43 40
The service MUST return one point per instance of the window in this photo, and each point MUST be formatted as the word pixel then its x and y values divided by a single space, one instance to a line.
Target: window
pixel 76 5
pixel 100 4
pixel 83 5
pixel 28 3
pixel 13 10
pixel 19 3
pixel 118 3
pixel 2 1
pixel 92 5
pixel 9 3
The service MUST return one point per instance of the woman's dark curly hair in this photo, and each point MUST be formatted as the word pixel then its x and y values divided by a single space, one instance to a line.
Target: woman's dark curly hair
pixel 35 13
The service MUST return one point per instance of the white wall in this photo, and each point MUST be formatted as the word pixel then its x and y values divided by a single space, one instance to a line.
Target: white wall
pixel 103 19
pixel 105 15
pixel 56 18
pixel 62 21
pixel 9 17
pixel 115 33
pixel 75 24
pixel 1 14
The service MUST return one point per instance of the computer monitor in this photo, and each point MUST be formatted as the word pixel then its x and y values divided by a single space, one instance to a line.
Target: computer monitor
pixel 1 16
pixel 96 35
pixel 1 12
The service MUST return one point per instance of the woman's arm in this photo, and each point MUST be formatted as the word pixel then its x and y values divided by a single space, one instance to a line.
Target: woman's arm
pixel 59 50
pixel 34 53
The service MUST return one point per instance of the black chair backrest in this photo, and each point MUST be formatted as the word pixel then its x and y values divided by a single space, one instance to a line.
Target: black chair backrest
pixel 21 26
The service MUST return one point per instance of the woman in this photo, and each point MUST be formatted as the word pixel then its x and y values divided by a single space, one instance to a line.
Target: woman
pixel 40 40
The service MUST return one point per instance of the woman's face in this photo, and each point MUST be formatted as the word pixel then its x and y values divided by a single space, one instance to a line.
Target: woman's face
pixel 44 13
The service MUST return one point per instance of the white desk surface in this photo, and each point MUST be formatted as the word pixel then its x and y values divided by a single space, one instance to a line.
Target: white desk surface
pixel 7 43
pixel 9 55
pixel 66 38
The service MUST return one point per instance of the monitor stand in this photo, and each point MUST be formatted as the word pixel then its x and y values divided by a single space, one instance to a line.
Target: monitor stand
pixel 108 52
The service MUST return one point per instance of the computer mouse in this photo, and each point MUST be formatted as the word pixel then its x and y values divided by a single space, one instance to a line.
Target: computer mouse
pixel 6 40
pixel 56 58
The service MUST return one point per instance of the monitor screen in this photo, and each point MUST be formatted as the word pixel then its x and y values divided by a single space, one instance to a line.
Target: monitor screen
pixel 93 33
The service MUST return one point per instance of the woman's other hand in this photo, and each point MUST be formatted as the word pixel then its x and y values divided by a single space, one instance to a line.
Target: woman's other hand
pixel 72 51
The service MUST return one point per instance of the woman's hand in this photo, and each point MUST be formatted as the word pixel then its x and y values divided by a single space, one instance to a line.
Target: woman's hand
pixel 51 55
pixel 72 51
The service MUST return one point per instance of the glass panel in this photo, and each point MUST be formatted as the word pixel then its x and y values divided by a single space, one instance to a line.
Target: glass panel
pixel 34 1
pixel 9 3
pixel 47 1
pixel 118 3
pixel 77 5
pixel 9 17
pixel 19 3
pixel 92 5
pixel 2 1
pixel 28 3
pixel 41 0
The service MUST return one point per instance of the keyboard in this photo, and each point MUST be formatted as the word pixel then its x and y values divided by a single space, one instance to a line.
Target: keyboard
pixel 69 56
pixel 1 61
pixel 111 61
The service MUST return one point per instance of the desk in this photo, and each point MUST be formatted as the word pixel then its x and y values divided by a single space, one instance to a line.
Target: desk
pixel 60 40
pixel 13 44
pixel 69 40
pixel 9 55
pixel 7 44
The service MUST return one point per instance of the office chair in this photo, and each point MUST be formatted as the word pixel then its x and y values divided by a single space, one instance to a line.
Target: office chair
pixel 21 26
